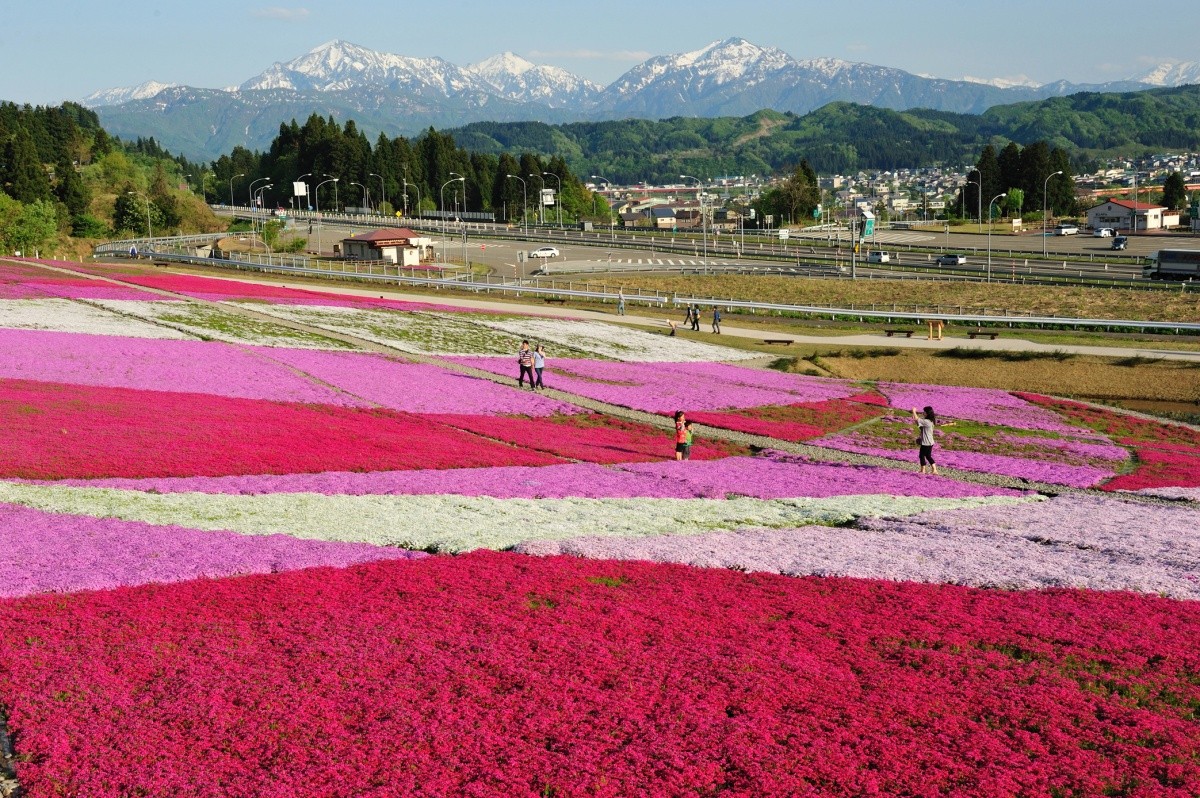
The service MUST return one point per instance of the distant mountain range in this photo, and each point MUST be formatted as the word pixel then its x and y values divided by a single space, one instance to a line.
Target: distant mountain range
pixel 402 95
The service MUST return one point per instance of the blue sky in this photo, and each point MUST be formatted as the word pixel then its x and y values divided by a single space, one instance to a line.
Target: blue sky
pixel 54 50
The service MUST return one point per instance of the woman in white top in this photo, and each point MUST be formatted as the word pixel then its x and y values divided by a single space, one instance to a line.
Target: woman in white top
pixel 925 425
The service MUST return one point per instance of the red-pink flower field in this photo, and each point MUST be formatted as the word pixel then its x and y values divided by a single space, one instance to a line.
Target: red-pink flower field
pixel 229 570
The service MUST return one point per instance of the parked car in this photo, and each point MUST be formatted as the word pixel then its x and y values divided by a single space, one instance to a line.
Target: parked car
pixel 1120 242
pixel 1066 230
pixel 544 252
pixel 952 260
pixel 1103 232
pixel 878 257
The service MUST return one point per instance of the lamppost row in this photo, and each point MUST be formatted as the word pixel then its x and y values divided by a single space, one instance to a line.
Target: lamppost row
pixel 989 261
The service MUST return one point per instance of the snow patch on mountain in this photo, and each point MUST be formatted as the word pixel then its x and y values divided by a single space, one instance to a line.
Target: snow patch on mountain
pixel 516 78
pixel 116 96
pixel 1179 73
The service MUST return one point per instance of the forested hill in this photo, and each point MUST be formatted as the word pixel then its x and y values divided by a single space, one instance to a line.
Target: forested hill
pixel 843 137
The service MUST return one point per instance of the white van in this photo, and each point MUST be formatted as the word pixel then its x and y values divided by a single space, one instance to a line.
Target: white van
pixel 1066 230
pixel 878 257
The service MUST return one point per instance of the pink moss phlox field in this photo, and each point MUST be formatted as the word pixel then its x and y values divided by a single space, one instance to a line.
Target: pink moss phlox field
pixel 1159 468
pixel 415 387
pixel 589 437
pixel 586 480
pixel 55 431
pixel 158 365
pixel 1083 450
pixel 797 422
pixel 45 552
pixel 785 477
pixel 1033 470
pixel 666 387
pixel 977 404
pixel 490 674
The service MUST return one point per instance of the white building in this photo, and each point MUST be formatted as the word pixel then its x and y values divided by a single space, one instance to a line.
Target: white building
pixel 1119 215
pixel 398 245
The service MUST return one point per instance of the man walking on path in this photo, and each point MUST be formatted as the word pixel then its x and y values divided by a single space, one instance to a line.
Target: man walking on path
pixel 716 325
pixel 620 303
pixel 695 318
pixel 525 364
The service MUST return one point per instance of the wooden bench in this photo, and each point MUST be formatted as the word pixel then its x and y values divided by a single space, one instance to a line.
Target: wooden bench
pixel 972 334
pixel 784 341
pixel 554 300
pixel 905 333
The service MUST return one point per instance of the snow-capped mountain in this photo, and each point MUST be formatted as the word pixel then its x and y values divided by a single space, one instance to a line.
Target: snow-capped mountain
pixel 1177 74
pixel 339 66
pixel 515 78
pixel 402 95
pixel 122 95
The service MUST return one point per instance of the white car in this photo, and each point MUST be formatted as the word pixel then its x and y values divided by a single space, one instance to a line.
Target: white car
pixel 1066 230
pixel 952 260
pixel 1102 232
pixel 878 257
pixel 544 252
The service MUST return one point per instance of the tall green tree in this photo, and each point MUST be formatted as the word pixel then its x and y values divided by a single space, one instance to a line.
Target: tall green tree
pixel 1174 191
pixel 25 177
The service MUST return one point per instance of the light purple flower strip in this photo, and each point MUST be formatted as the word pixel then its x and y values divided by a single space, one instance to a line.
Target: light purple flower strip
pixel 1079 449
pixel 666 387
pixel 1026 546
pixel 416 387
pixel 758 477
pixel 978 404
pixel 46 552
pixel 99 290
pixel 156 365
pixel 1074 476
pixel 1178 494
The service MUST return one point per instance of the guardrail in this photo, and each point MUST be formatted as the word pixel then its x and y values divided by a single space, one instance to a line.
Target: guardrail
pixel 303 265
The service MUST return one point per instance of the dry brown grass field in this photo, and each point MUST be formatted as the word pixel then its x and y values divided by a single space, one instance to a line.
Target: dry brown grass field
pixel 1099 303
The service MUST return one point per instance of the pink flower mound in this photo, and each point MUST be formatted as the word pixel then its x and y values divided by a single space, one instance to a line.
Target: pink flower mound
pixel 515 482
pixel 491 675
pixel 81 288
pixel 667 387
pixel 764 478
pixel 976 404
pixel 44 552
pixel 414 387
pixel 1033 470
pixel 184 366
pixel 54 431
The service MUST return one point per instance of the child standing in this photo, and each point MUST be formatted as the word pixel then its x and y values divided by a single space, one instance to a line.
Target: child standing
pixel 687 451
pixel 680 435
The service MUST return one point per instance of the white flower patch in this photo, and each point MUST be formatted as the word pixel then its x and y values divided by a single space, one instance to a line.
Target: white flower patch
pixel 464 523
pixel 66 315
pixel 208 321
pixel 616 342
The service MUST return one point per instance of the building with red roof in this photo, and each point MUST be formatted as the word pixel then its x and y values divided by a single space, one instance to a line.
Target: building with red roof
pixel 1119 214
pixel 398 245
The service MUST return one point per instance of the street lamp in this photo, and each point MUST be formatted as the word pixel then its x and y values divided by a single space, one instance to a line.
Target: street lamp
pixel 1045 185
pixel 557 199
pixel 364 188
pixel 703 226
pixel 979 197
pixel 317 200
pixel 524 204
pixel 416 186
pixel 539 200
pixel 149 233
pixel 252 206
pixel 262 202
pixel 989 265
pixel 335 196
pixel 235 177
pixel 442 194
pixel 382 188
pixel 612 227
pixel 307 200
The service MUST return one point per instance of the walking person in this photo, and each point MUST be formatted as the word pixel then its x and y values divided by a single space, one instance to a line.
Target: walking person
pixel 681 434
pixel 687 318
pixel 539 363
pixel 620 303
pixel 925 424
pixel 695 318
pixel 525 363
pixel 716 325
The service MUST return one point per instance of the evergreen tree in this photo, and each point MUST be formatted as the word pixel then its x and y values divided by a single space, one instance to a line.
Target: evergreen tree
pixel 70 188
pixel 25 177
pixel 1174 191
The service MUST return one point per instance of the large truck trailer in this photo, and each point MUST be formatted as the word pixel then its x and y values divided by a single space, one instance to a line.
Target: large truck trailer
pixel 1173 264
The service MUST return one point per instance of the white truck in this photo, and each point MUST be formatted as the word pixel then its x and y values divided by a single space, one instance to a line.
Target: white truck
pixel 1173 264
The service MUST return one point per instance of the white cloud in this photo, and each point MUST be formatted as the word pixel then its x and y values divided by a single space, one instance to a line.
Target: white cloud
pixel 281 14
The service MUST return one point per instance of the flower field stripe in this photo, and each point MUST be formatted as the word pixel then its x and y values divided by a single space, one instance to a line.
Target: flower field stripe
pixel 44 552
pixel 798 422
pixel 599 678
pixel 462 523
pixel 55 431
pixel 415 387
pixel 179 366
pixel 1124 546
pixel 987 405
pixel 590 437
pixel 67 316
pixel 611 341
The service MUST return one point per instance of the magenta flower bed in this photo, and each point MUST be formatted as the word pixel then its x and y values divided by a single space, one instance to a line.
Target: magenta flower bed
pixel 45 552
pixel 416 387
pixel 491 675
pixel 54 431
pixel 81 288
pixel 667 387
pixel 184 366
pixel 977 404
pixel 783 477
